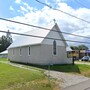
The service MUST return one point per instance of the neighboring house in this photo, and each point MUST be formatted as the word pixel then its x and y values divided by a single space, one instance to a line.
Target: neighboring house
pixel 77 54
pixel 42 51
pixel 4 54
pixel 83 53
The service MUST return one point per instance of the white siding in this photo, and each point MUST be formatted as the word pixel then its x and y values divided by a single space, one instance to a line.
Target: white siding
pixel 48 57
pixel 40 54
pixel 55 35
pixel 24 57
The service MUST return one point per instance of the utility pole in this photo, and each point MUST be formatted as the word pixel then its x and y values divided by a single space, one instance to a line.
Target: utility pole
pixel 54 21
pixel 49 73
pixel 9 36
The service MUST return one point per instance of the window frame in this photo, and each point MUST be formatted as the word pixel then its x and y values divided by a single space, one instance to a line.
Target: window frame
pixel 54 48
pixel 20 51
pixel 13 52
pixel 29 51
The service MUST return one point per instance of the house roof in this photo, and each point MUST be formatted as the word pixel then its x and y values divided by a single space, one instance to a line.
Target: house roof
pixel 28 40
pixel 4 52
pixel 68 49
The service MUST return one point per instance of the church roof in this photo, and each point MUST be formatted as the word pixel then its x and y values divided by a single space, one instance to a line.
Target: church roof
pixel 30 40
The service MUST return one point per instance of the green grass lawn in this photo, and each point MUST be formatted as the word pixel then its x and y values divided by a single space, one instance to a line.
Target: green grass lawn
pixel 13 78
pixel 77 68
pixel 3 59
pixel 82 69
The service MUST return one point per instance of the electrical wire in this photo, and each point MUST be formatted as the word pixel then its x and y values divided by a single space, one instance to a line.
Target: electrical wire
pixel 43 28
pixel 45 37
pixel 62 11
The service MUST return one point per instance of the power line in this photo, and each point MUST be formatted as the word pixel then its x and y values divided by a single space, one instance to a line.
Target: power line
pixel 43 28
pixel 62 11
pixel 45 37
pixel 78 2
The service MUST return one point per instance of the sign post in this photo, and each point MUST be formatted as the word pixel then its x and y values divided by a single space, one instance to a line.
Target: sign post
pixel 49 73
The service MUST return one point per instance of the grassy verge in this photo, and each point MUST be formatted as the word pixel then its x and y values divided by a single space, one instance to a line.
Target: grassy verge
pixel 76 69
pixel 82 69
pixel 3 59
pixel 12 78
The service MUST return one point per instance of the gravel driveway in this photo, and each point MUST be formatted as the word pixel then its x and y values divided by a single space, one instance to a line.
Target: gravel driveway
pixel 65 79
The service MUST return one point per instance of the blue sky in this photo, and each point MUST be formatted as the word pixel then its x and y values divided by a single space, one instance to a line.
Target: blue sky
pixel 32 12
pixel 7 13
pixel 5 7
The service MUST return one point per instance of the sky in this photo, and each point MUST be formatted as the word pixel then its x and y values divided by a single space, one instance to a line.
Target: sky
pixel 34 13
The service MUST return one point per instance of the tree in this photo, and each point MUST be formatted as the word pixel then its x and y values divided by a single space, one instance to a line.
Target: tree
pixel 5 41
pixel 82 47
pixel 74 47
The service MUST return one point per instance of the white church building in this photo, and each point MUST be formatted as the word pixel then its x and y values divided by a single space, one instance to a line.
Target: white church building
pixel 38 50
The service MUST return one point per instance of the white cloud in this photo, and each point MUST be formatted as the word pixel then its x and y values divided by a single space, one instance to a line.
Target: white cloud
pixel 45 15
pixel 11 8
pixel 28 7
pixel 23 9
pixel 18 1
pixel 46 1
pixel 60 1
pixel 3 26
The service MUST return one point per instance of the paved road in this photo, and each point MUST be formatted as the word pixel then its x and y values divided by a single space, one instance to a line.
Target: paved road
pixel 81 86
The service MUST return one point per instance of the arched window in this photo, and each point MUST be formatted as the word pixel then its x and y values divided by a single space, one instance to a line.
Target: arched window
pixel 54 47
pixel 13 51
pixel 20 51
pixel 29 51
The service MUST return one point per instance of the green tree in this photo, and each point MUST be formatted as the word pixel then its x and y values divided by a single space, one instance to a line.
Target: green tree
pixel 74 47
pixel 5 41
pixel 82 47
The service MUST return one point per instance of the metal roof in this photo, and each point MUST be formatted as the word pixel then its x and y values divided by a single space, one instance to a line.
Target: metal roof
pixel 28 40
pixel 4 52
pixel 68 49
